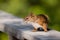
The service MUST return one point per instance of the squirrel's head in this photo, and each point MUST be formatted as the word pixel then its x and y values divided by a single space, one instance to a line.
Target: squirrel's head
pixel 31 17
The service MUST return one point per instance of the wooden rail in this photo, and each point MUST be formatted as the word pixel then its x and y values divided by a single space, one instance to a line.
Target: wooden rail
pixel 18 30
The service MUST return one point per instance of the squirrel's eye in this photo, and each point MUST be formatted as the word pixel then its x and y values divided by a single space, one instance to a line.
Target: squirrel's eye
pixel 26 18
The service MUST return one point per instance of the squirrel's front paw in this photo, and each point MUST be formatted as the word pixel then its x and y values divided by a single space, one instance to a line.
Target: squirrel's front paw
pixel 34 30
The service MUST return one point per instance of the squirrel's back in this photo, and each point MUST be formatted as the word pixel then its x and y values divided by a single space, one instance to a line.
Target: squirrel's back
pixel 43 17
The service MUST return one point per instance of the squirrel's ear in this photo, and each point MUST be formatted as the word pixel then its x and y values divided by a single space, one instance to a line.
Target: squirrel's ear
pixel 32 14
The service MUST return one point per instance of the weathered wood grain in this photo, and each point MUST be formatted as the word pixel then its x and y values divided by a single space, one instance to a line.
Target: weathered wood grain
pixel 7 18
pixel 25 31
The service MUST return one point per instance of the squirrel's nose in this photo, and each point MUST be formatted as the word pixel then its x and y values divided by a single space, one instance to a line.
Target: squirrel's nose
pixel 26 18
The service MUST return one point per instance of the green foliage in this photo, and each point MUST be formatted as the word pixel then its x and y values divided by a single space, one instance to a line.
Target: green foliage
pixel 36 9
pixel 50 2
pixel 3 36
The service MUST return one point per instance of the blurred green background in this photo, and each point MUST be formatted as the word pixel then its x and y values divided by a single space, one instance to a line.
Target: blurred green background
pixel 21 8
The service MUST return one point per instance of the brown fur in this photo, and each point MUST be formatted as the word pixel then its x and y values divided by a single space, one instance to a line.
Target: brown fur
pixel 41 19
